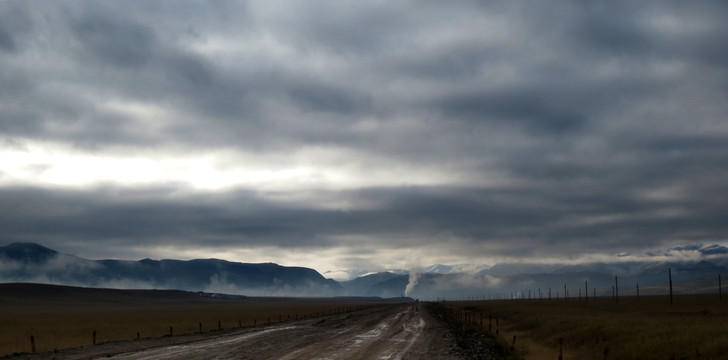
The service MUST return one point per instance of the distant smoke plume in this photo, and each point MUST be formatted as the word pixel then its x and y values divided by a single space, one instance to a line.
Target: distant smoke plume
pixel 414 277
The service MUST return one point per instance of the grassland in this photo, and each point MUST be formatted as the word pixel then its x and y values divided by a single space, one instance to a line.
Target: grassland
pixel 60 317
pixel 694 327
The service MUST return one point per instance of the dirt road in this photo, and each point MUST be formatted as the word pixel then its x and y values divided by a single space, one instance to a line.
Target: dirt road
pixel 395 332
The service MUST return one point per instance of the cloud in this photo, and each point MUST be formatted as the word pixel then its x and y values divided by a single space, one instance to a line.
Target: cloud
pixel 520 129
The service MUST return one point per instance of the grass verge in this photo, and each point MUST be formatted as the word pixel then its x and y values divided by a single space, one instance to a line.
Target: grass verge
pixel 694 327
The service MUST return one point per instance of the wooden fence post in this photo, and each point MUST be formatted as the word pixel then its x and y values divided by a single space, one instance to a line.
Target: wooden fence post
pixel 32 344
pixel 171 333
pixel 200 326
pixel 561 348
pixel 513 344
pixel 669 274
pixel 720 289
pixel 94 337
pixel 139 335
pixel 219 325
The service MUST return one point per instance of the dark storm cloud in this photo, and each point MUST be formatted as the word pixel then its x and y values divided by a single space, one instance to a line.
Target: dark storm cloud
pixel 509 217
pixel 14 27
pixel 115 42
pixel 137 217
pixel 570 126
pixel 7 43
pixel 533 110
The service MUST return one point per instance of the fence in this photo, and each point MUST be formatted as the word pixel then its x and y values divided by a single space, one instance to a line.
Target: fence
pixel 59 339
pixel 694 320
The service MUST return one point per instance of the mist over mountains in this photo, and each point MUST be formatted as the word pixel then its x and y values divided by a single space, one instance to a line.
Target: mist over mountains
pixel 28 262
pixel 697 273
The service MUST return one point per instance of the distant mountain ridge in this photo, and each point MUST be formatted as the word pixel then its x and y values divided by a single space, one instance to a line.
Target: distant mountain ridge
pixel 29 262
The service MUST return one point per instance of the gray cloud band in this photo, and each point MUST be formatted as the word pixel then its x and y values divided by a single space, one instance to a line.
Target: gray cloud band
pixel 606 124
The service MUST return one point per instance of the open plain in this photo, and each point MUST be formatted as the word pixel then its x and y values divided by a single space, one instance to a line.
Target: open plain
pixel 394 331
pixel 649 327
pixel 79 323
pixel 58 317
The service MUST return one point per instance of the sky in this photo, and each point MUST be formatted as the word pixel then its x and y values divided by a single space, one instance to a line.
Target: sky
pixel 364 135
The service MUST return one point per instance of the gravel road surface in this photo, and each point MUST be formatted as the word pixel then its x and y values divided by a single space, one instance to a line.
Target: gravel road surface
pixel 394 332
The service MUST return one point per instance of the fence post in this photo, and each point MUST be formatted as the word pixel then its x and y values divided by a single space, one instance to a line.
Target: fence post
pixel 616 287
pixel 561 348
pixel 171 333
pixel 200 326
pixel 139 335
pixel 32 344
pixel 513 344
pixel 606 351
pixel 219 325
pixel 669 274
pixel 94 337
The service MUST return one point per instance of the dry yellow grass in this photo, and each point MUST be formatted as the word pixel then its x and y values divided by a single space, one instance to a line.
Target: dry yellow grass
pixel 695 327
pixel 67 323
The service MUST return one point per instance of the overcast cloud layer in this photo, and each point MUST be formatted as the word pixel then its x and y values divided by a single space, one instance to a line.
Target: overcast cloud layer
pixel 363 134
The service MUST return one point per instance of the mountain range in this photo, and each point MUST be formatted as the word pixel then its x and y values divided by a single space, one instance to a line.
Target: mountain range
pixel 29 262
